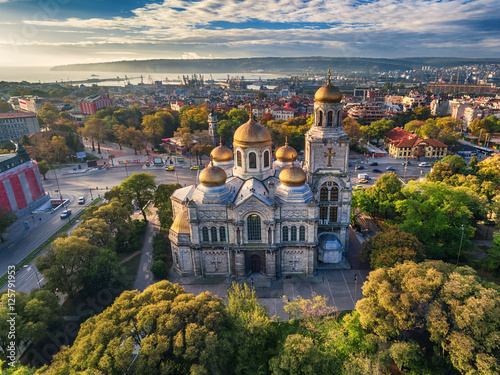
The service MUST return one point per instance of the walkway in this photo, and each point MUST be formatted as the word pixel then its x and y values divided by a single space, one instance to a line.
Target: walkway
pixel 144 276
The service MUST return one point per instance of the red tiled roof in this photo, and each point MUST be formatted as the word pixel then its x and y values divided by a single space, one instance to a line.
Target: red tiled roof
pixel 16 115
pixel 397 133
pixel 433 142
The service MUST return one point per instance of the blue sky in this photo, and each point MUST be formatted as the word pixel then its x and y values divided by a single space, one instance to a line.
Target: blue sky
pixel 52 32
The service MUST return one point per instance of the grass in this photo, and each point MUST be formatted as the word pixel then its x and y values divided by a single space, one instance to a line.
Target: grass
pixel 29 258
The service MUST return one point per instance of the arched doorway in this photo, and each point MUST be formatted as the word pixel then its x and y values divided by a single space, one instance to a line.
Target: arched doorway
pixel 255 263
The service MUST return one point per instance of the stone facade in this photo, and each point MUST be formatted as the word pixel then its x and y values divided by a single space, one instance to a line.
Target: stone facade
pixel 268 216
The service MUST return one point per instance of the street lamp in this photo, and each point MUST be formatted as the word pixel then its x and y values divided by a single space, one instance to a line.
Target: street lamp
pixel 461 239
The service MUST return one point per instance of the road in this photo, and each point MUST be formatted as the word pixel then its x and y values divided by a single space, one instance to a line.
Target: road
pixel 21 242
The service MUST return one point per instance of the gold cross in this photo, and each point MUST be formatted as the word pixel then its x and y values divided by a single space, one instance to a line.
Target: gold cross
pixel 329 75
pixel 329 154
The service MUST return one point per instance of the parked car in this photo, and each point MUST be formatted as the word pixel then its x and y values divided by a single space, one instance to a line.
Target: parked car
pixel 424 164
pixel 65 214
pixel 390 168
pixel 374 164
pixel 377 171
pixel 195 167
pixel 171 168
pixel 81 200
pixel 358 167
pixel 363 181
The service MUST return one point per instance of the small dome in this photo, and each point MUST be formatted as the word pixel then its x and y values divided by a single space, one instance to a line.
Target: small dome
pixel 251 133
pixel 221 153
pixel 293 176
pixel 328 93
pixel 180 224
pixel 286 153
pixel 212 176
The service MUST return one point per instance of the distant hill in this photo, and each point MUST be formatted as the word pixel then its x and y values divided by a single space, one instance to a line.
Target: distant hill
pixel 275 65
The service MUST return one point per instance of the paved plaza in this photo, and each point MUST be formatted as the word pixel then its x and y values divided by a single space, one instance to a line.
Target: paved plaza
pixel 338 285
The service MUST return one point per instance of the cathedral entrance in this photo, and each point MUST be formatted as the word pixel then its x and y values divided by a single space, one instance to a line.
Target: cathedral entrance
pixel 255 263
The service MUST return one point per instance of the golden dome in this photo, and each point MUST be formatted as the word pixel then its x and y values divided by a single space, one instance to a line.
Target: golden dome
pixel 221 153
pixel 212 176
pixel 251 133
pixel 328 93
pixel 293 176
pixel 180 224
pixel 286 153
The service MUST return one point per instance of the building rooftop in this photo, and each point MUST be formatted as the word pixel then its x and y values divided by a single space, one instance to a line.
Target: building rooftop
pixel 9 161
pixel 16 114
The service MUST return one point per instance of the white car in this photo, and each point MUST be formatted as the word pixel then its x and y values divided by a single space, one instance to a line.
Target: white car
pixel 424 164
pixel 65 214
pixel 81 200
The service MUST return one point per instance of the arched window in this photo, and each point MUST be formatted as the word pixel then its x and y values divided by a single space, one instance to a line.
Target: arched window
pixel 213 234
pixel 323 212
pixel 222 234
pixel 204 233
pixel 285 234
pixel 302 233
pixel 293 234
pixel 252 160
pixel 339 118
pixel 238 158
pixel 333 214
pixel 320 119
pixel 269 236
pixel 329 121
pixel 176 258
pixel 238 236
pixel 323 194
pixel 266 159
pixel 334 193
pixel 253 226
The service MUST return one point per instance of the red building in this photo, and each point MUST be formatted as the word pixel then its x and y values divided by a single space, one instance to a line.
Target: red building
pixel 91 104
pixel 20 182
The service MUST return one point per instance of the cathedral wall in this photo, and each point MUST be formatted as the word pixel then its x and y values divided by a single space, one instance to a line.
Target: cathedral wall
pixel 216 262
pixel 295 260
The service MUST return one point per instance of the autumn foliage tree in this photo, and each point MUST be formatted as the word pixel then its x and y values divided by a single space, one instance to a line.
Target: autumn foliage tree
pixel 159 331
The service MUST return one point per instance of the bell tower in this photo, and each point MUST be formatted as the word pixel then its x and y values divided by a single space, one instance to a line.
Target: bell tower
pixel 327 163
pixel 212 127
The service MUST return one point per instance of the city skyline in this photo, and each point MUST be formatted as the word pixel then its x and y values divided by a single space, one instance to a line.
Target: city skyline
pixel 55 32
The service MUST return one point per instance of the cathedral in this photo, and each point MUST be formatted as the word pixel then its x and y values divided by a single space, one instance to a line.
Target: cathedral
pixel 252 214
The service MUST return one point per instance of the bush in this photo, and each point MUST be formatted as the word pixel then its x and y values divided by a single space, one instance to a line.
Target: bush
pixel 161 247
pixel 137 236
pixel 159 269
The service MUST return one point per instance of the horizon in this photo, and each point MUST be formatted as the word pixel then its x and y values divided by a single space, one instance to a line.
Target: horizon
pixel 62 32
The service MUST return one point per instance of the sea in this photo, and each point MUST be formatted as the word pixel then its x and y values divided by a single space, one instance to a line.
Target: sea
pixel 43 74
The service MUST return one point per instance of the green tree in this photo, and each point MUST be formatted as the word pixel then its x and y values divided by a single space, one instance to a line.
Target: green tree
pixel 153 127
pixel 43 168
pixel 254 331
pixel 301 355
pixel 174 332
pixel 95 130
pixel 164 204
pixel 47 115
pixel 392 246
pixel 450 165
pixel 5 107
pixel 37 316
pixel 141 187
pixel 159 269
pixel 422 113
pixel 7 218
pixel 377 129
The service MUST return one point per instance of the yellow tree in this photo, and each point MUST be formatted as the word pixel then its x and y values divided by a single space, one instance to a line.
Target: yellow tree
pixel 153 128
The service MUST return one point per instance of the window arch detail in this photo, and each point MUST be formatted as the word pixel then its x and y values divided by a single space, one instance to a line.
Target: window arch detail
pixel 238 158
pixel 323 194
pixel 253 227
pixel 266 159
pixel 204 234
pixel 320 119
pixel 293 234
pixel 213 234
pixel 285 234
pixel 329 121
pixel 252 160
pixel 302 233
